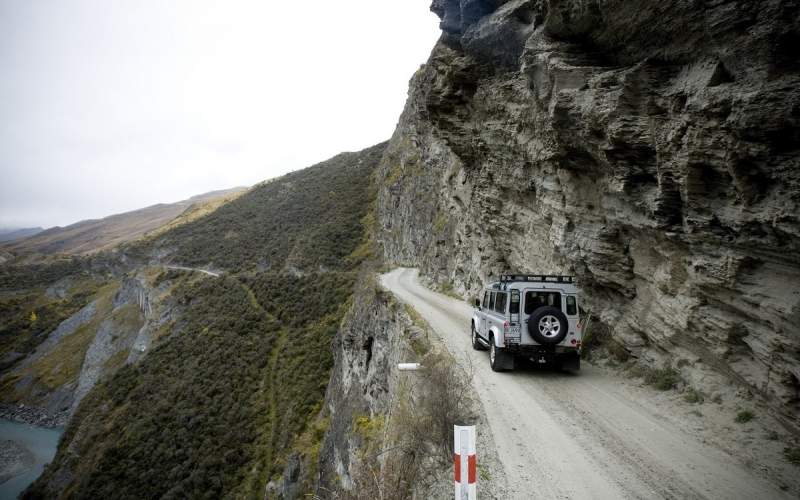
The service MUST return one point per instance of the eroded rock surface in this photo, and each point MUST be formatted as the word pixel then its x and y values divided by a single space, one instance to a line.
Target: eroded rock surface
pixel 650 148
pixel 373 339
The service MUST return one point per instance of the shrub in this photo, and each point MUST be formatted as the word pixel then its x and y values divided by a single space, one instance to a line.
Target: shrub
pixel 662 379
pixel 744 416
pixel 693 396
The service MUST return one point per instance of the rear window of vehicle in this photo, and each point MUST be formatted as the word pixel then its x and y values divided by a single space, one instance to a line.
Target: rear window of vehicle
pixel 513 306
pixel 572 305
pixel 535 300
pixel 500 302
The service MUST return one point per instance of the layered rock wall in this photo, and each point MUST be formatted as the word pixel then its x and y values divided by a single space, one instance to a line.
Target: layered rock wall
pixel 650 148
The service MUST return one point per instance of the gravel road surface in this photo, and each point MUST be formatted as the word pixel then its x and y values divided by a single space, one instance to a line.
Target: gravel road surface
pixel 585 435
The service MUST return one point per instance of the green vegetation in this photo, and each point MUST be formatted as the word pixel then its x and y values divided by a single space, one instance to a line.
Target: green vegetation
pixel 448 289
pixel 483 472
pixel 27 276
pixel 693 396
pixel 298 301
pixel 62 365
pixel 369 429
pixel 183 422
pixel 663 379
pixel 235 381
pixel 28 316
pixel 217 405
pixel 308 219
pixel 744 416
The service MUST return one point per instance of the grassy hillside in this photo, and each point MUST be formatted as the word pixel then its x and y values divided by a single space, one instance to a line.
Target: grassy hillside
pixel 230 391
pixel 309 219
pixel 91 236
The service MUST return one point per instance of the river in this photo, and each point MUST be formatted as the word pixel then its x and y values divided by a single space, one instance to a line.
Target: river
pixel 41 442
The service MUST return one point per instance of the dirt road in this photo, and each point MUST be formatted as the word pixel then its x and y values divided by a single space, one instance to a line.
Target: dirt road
pixel 194 269
pixel 585 435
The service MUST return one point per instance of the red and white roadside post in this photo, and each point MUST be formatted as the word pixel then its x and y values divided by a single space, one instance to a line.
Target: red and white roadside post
pixel 466 464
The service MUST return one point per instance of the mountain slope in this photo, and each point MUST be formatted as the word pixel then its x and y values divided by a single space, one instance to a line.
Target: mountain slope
pixel 17 234
pixel 232 369
pixel 309 219
pixel 95 235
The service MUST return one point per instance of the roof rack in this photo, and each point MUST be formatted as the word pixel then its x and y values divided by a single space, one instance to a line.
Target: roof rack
pixel 546 278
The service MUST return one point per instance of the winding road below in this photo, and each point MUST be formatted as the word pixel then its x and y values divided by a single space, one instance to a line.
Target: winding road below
pixel 585 435
pixel 194 269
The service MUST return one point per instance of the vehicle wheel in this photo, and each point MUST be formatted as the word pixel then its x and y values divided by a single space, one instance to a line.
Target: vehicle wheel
pixel 475 344
pixel 548 325
pixel 499 360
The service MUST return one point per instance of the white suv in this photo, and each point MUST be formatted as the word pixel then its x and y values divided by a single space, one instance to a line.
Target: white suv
pixel 531 316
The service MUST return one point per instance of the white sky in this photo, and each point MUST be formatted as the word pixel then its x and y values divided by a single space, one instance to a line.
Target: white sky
pixel 113 105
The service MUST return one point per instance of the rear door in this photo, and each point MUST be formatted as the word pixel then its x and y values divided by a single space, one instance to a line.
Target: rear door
pixel 533 299
pixel 572 312
pixel 514 316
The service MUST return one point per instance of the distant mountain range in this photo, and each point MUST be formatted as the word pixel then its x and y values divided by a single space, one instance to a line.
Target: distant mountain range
pixel 99 234
pixel 12 234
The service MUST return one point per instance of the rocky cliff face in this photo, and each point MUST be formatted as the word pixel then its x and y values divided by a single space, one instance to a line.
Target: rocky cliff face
pixel 650 148
pixel 373 339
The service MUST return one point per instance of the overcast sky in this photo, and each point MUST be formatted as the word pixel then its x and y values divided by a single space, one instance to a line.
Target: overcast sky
pixel 112 105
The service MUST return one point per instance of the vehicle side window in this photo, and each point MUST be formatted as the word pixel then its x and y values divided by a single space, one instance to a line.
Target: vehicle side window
pixel 485 299
pixel 513 307
pixel 572 305
pixel 491 300
pixel 500 302
pixel 535 300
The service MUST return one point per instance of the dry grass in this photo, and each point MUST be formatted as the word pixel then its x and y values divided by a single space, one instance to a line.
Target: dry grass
pixel 92 236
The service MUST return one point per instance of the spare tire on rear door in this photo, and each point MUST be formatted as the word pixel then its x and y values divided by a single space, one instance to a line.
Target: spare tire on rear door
pixel 548 325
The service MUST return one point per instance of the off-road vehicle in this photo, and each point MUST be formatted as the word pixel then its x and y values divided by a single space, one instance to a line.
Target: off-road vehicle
pixel 529 316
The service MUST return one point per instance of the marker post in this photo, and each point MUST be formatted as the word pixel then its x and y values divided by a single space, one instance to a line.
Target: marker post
pixel 465 462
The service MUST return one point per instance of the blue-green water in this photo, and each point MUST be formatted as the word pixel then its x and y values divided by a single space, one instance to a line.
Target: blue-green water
pixel 41 442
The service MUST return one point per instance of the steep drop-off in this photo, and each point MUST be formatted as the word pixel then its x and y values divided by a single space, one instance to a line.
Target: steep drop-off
pixel 224 379
pixel 650 148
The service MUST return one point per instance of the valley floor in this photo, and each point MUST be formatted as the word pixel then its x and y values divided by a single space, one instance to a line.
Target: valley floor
pixel 597 434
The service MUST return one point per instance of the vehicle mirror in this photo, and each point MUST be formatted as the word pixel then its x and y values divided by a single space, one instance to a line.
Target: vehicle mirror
pixel 478 303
